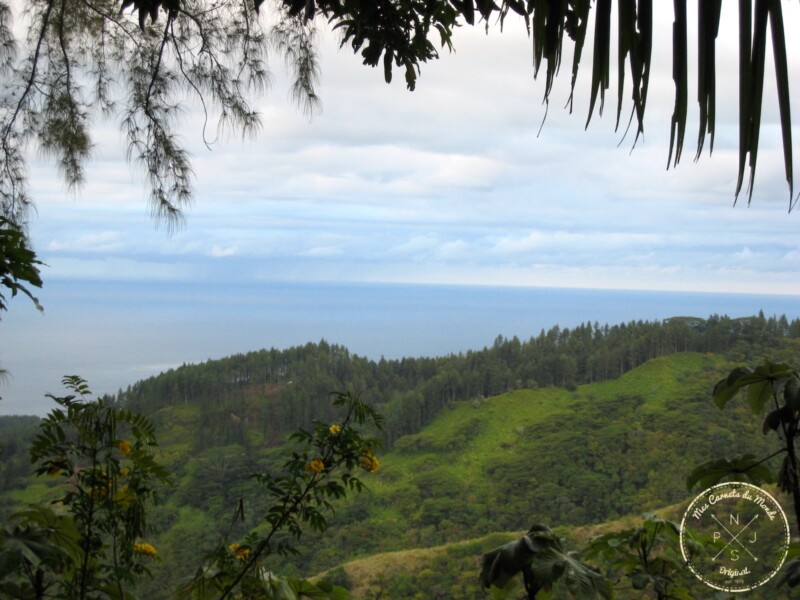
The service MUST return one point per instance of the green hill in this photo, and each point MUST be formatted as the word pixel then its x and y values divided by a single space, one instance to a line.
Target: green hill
pixel 469 463
pixel 565 458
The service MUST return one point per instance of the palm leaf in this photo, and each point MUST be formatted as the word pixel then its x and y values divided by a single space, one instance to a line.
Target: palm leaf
pixel 745 27
pixel 782 79
pixel 580 15
pixel 600 66
pixel 758 56
pixel 679 70
pixel 707 31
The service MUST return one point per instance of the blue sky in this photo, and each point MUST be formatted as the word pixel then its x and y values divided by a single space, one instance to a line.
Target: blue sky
pixel 452 183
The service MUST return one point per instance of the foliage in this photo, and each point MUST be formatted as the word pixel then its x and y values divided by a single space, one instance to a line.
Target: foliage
pixel 92 545
pixel 214 51
pixel 319 471
pixel 86 60
pixel 772 391
pixel 19 267
pixel 16 433
pixel 648 555
pixel 543 561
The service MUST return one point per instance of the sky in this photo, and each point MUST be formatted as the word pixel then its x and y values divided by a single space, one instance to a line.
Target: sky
pixel 457 182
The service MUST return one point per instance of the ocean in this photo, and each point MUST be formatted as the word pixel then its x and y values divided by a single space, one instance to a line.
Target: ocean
pixel 114 334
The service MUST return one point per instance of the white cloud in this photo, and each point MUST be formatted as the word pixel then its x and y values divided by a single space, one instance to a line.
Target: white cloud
pixel 221 251
pixel 101 241
pixel 391 184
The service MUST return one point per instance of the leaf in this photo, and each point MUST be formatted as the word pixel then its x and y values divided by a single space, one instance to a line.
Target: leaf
pixel 713 472
pixel 782 79
pixel 707 31
pixel 791 394
pixel 600 63
pixel 745 75
pixel 583 580
pixel 580 15
pixel 760 381
pixel 387 66
pixel 727 388
pixel 756 91
pixel 18 263
pixel 758 394
pixel 679 75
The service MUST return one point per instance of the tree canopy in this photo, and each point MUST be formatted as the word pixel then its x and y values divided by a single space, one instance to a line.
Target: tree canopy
pixel 140 60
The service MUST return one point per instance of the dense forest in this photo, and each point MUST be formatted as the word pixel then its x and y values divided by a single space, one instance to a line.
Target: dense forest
pixel 571 427
pixel 279 390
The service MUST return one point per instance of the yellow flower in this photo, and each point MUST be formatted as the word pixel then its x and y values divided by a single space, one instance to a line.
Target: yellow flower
pixel 146 549
pixel 315 466
pixel 370 463
pixel 124 447
pixel 57 465
pixel 125 471
pixel 240 552
pixel 335 429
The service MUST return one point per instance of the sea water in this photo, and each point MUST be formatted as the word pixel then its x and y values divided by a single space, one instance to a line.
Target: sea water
pixel 114 334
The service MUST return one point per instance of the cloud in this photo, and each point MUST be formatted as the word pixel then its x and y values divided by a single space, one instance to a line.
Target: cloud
pixel 453 177
pixel 222 251
pixel 101 241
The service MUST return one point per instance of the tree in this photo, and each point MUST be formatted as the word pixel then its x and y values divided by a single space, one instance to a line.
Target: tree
pixel 91 544
pixel 322 469
pixel 215 51
pixel 19 267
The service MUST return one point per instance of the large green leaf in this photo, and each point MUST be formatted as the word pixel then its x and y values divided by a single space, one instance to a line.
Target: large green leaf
pixel 583 581
pixel 742 467
pixel 759 382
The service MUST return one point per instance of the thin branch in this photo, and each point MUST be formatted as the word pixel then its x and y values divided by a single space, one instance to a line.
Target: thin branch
pixel 34 65
pixel 287 511
pixel 188 79
pixel 157 67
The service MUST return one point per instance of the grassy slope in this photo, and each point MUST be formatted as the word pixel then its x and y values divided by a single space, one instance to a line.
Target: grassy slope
pixel 417 574
pixel 502 422
pixel 662 383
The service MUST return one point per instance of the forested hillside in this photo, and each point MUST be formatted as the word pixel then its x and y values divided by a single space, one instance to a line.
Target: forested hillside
pixel 568 428
pixel 276 391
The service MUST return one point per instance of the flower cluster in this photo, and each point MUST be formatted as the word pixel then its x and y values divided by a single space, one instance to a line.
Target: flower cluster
pixel 315 466
pixel 125 447
pixel 146 549
pixel 239 551
pixel 369 462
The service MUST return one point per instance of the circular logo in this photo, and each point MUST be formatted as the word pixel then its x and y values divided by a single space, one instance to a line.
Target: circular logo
pixel 734 536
